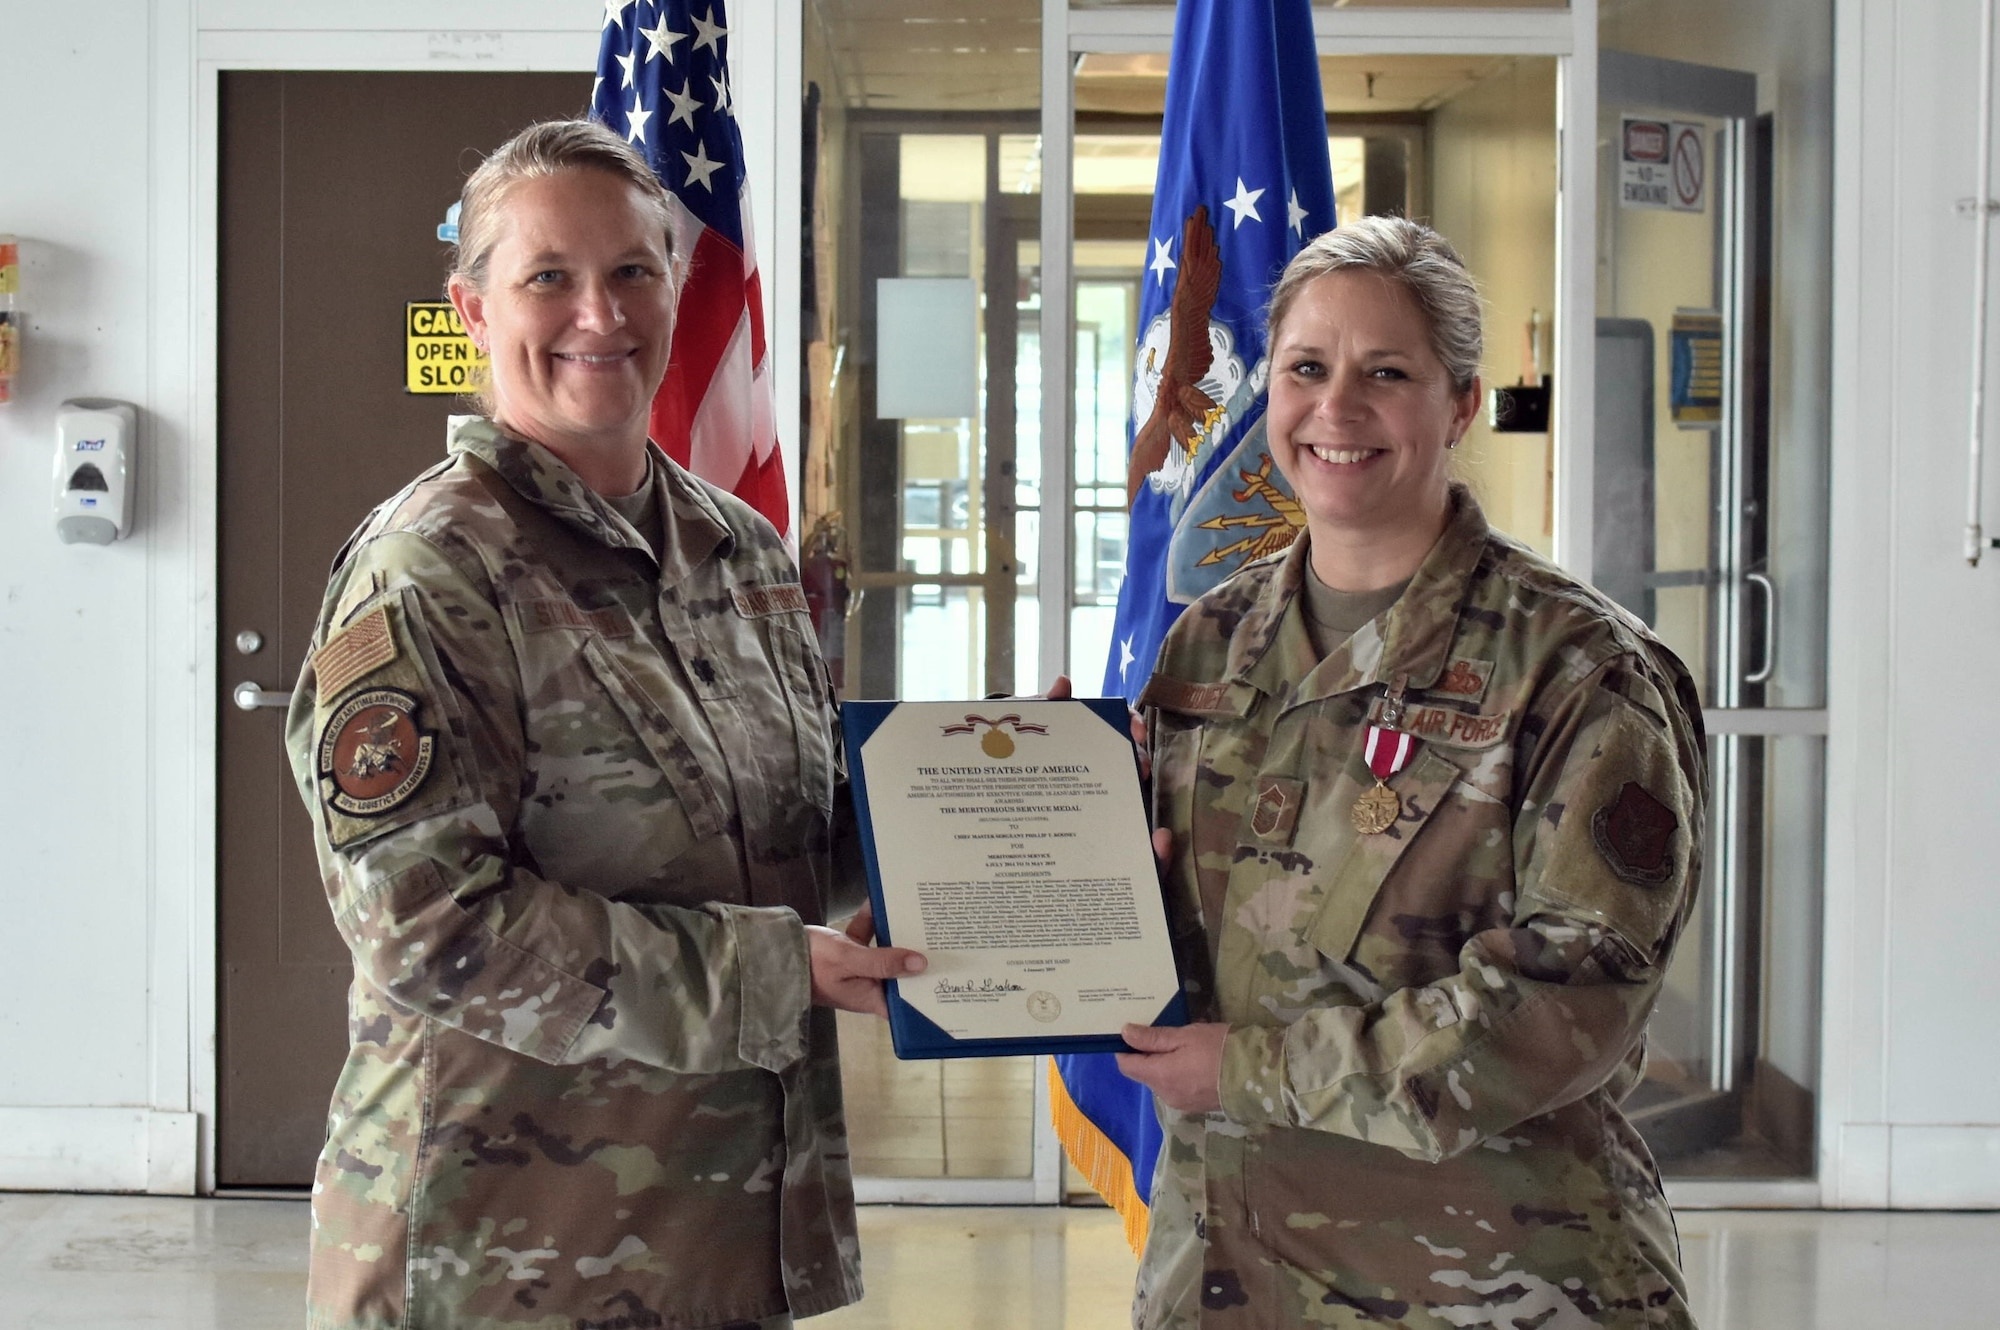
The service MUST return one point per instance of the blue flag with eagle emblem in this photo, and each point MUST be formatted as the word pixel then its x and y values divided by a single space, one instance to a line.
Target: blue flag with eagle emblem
pixel 1244 182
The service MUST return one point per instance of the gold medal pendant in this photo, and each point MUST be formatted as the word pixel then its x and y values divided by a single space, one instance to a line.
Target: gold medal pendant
pixel 1376 810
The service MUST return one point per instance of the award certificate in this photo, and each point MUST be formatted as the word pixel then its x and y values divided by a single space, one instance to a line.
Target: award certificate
pixel 1007 841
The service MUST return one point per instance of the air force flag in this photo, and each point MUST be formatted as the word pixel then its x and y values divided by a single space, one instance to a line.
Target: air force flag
pixel 1244 183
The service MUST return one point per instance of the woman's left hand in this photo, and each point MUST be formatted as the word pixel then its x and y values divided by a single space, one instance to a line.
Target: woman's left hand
pixel 847 972
pixel 1182 1064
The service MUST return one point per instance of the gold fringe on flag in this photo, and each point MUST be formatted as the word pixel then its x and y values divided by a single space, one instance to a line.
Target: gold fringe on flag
pixel 1102 1164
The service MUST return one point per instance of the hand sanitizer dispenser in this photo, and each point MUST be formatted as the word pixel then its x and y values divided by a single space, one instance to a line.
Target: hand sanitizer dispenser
pixel 94 470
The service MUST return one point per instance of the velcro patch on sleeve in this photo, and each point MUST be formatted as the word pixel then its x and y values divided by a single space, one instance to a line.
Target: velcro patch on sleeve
pixel 1635 834
pixel 758 602
pixel 358 592
pixel 354 652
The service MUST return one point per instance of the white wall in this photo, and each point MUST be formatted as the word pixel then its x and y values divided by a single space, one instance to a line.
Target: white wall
pixel 1912 1071
pixel 95 749
pixel 108 684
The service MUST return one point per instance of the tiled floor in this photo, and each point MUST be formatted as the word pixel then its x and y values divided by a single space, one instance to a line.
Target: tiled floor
pixel 124 1262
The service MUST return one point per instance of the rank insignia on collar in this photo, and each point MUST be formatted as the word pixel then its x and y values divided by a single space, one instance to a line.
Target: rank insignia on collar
pixel 372 756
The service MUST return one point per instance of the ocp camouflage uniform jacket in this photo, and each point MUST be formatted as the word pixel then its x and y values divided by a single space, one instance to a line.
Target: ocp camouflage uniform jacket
pixel 1431 1027
pixel 571 807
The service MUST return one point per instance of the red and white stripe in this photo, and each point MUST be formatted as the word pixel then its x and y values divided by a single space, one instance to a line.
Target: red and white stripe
pixel 1388 751
pixel 717 404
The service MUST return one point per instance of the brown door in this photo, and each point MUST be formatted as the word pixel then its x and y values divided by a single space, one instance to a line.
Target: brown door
pixel 333 186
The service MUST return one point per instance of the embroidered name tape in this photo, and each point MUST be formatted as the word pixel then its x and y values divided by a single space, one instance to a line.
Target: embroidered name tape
pixel 757 602
pixel 1453 729
pixel 1192 698
pixel 541 616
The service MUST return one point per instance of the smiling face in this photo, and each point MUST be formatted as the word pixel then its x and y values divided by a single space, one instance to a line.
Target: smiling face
pixel 576 313
pixel 1361 415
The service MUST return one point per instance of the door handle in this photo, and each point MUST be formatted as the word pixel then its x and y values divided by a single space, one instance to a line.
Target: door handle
pixel 249 696
pixel 1762 673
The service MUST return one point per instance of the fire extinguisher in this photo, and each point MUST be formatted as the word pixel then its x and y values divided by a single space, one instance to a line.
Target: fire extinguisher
pixel 10 316
pixel 823 573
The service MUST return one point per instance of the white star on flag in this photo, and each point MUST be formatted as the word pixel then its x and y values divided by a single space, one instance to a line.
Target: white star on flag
pixel 1162 261
pixel 707 33
pixel 614 12
pixel 662 40
pixel 1298 214
pixel 721 95
pixel 1124 658
pixel 684 106
pixel 700 168
pixel 1244 204
pixel 635 122
pixel 625 62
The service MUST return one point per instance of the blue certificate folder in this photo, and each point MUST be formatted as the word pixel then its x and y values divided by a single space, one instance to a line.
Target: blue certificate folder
pixel 914 1034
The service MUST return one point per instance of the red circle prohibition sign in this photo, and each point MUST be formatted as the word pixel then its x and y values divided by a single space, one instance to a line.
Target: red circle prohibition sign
pixel 1687 167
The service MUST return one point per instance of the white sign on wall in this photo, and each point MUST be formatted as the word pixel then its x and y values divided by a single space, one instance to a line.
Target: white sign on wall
pixel 926 348
pixel 1662 164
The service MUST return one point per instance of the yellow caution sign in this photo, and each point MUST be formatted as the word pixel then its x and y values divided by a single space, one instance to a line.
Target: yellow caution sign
pixel 439 356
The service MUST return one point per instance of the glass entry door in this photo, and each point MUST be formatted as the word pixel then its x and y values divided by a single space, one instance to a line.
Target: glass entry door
pixel 1699 533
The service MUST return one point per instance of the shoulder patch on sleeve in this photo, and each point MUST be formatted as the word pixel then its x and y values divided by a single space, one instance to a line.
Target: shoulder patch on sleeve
pixel 1634 833
pixel 757 602
pixel 372 756
pixel 382 754
pixel 354 652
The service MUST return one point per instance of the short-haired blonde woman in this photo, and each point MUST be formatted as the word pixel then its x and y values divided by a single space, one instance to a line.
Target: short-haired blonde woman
pixel 1436 812
pixel 569 751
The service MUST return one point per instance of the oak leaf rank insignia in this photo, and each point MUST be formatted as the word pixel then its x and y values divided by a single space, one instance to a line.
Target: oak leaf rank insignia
pixel 372 755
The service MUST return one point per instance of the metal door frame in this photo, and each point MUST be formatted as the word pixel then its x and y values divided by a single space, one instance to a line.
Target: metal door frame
pixel 1570 36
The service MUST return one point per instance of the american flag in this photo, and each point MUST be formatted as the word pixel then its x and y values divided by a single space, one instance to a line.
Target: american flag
pixel 663 82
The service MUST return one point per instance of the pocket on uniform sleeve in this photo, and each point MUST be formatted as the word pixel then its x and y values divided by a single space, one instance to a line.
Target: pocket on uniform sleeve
pixel 1625 853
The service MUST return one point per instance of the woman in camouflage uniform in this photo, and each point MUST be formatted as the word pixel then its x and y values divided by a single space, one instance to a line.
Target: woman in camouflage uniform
pixel 1435 813
pixel 568 747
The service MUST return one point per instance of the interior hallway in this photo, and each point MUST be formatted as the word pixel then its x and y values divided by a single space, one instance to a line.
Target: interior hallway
pixel 97 1262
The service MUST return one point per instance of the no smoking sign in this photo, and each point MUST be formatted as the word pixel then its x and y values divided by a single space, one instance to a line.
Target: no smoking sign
pixel 1662 164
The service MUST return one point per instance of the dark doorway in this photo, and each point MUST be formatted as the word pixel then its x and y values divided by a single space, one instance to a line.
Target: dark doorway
pixel 332 189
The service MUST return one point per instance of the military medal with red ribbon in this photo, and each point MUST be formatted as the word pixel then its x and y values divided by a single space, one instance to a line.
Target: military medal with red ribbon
pixel 1388 751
